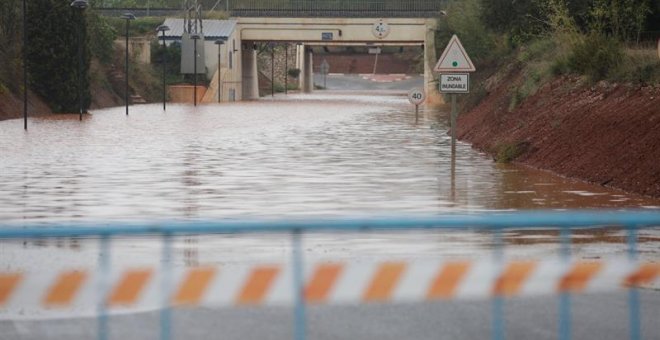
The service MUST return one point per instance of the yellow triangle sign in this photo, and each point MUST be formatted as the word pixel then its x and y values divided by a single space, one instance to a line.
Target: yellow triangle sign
pixel 454 58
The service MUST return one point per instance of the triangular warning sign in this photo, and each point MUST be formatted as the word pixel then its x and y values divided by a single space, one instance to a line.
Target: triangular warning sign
pixel 454 58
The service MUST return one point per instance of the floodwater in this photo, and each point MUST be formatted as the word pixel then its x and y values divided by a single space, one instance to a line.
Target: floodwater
pixel 301 156
pixel 318 155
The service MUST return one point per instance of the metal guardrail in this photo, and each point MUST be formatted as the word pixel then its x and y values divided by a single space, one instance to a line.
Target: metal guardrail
pixel 308 8
pixel 565 222
pixel 338 8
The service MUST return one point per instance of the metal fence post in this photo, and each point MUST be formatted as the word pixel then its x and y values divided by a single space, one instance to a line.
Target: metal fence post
pixel 498 327
pixel 633 292
pixel 104 277
pixel 565 317
pixel 300 327
pixel 166 312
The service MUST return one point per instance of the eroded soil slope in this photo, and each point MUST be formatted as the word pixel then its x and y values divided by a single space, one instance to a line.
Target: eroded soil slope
pixel 605 133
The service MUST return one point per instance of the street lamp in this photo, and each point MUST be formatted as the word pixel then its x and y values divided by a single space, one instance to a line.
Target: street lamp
pixel 128 17
pixel 272 68
pixel 286 68
pixel 220 42
pixel 163 29
pixel 80 5
pixel 195 37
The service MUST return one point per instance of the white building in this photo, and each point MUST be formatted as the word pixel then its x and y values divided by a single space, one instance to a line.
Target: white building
pixel 229 55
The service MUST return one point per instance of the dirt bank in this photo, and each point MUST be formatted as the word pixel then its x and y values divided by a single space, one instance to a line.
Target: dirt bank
pixel 11 106
pixel 607 134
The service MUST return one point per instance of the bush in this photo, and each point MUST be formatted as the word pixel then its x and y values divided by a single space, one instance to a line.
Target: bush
pixel 102 35
pixel 595 55
pixel 509 152
pixel 53 29
pixel 293 73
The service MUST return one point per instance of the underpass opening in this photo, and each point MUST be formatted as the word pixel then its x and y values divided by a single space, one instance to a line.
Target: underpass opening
pixel 314 38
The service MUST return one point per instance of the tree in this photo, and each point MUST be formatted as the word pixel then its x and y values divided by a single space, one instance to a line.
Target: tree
pixel 53 28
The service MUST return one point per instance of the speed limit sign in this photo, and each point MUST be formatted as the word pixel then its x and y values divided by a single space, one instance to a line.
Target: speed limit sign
pixel 416 96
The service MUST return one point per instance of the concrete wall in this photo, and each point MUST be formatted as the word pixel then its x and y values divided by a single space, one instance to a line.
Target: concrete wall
pixel 344 30
pixel 184 93
pixel 138 48
pixel 231 77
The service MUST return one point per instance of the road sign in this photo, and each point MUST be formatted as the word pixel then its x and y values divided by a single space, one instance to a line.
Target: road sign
pixel 454 58
pixel 380 29
pixel 455 83
pixel 327 36
pixel 416 96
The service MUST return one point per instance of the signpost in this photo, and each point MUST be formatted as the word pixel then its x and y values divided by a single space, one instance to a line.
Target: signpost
pixel 416 97
pixel 454 66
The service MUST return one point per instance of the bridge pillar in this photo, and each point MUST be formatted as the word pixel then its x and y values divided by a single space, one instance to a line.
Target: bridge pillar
pixel 250 71
pixel 309 71
pixel 433 96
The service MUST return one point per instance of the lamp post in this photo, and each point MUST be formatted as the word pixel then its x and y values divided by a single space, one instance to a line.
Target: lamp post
pixel 80 5
pixel 163 29
pixel 272 69
pixel 128 17
pixel 195 37
pixel 25 81
pixel 220 42
pixel 286 69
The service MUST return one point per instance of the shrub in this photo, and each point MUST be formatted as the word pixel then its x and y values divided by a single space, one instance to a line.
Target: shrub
pixel 509 152
pixel 102 35
pixel 293 73
pixel 595 55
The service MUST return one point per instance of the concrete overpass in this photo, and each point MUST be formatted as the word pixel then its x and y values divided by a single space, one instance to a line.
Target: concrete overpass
pixel 336 32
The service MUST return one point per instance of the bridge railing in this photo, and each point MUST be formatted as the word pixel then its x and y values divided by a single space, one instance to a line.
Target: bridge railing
pixel 337 8
pixel 305 8
pixel 505 279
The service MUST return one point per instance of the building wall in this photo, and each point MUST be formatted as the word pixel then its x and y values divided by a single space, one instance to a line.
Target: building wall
pixel 231 76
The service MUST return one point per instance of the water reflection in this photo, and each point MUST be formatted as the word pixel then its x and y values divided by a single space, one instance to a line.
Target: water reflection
pixel 319 155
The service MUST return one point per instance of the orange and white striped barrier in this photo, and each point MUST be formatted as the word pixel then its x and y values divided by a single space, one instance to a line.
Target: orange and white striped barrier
pixel 324 283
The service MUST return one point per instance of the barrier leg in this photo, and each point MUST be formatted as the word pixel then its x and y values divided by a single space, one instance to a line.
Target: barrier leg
pixel 633 293
pixel 497 305
pixel 565 316
pixel 104 269
pixel 166 312
pixel 298 289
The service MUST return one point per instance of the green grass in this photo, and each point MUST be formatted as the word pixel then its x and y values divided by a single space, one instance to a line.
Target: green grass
pixel 509 152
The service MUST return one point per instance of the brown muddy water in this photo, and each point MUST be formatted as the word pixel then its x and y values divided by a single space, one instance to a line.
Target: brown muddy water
pixel 301 156
pixel 319 155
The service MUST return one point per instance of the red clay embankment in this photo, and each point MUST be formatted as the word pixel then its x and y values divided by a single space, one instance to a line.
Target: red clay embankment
pixel 607 134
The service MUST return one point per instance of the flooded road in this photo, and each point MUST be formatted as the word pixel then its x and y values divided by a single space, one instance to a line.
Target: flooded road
pixel 301 156
pixel 319 155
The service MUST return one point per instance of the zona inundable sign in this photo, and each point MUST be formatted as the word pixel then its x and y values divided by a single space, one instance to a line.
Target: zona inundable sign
pixel 455 83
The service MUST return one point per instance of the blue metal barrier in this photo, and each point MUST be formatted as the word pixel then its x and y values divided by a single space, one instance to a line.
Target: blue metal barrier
pixel 495 222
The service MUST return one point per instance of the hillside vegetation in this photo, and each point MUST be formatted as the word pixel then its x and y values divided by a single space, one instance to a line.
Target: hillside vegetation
pixel 574 89
pixel 613 40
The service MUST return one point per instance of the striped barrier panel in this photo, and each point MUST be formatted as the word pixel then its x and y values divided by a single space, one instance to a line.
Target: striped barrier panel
pixel 125 289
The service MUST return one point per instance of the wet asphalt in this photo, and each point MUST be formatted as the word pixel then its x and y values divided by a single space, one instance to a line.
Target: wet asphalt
pixel 594 316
